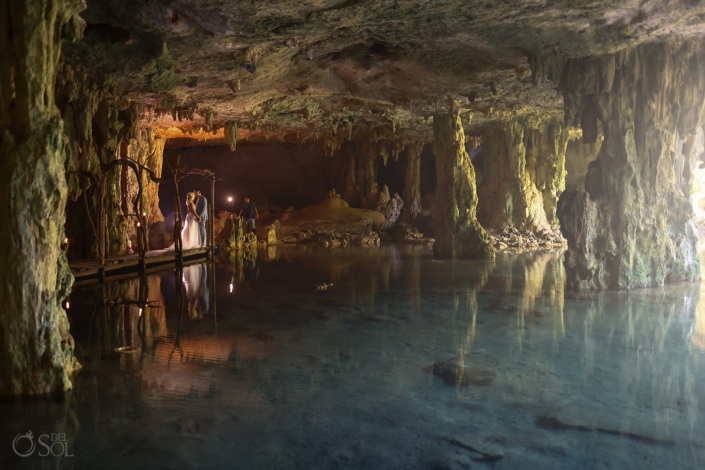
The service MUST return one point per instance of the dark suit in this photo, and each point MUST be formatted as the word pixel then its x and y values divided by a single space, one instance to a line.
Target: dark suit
pixel 202 211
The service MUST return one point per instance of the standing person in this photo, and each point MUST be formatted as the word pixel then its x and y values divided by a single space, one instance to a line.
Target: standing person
pixel 190 237
pixel 202 211
pixel 249 213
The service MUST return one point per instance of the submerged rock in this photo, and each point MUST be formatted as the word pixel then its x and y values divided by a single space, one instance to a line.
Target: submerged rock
pixel 468 369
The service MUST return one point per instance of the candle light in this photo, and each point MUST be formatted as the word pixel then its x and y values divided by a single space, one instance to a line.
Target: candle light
pixel 67 305
pixel 140 312
pixel 139 224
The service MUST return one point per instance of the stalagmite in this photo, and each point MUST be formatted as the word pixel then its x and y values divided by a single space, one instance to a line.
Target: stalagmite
pixel 36 349
pixel 634 223
pixel 457 231
pixel 412 184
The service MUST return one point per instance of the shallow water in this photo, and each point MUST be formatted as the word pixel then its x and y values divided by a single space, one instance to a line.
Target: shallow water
pixel 259 369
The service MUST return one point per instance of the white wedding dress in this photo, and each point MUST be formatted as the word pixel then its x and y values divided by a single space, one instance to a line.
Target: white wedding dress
pixel 190 236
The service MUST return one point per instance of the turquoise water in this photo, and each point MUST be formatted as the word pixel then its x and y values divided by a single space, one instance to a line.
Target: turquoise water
pixel 259 369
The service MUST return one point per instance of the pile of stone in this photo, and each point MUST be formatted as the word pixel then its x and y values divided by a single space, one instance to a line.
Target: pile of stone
pixel 332 239
pixel 406 234
pixel 512 237
pixel 390 207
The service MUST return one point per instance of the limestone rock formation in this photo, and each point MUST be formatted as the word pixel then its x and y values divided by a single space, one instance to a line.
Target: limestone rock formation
pixel 389 207
pixel 524 173
pixel 457 231
pixel 412 183
pixel 36 350
pixel 332 215
pixel 634 223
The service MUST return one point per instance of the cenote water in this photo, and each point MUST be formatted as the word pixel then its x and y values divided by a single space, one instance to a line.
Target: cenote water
pixel 306 358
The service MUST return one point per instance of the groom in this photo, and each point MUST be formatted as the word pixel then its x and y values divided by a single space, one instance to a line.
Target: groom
pixel 202 211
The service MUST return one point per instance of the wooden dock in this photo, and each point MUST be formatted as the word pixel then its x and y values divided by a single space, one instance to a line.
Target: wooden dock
pixel 119 265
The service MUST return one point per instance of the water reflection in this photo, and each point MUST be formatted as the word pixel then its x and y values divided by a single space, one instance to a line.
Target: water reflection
pixel 300 377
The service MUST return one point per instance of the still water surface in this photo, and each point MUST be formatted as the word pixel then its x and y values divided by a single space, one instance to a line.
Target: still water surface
pixel 256 368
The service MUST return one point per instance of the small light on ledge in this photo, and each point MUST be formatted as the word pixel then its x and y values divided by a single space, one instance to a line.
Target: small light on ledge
pixel 66 240
pixel 144 214
pixel 68 305
pixel 140 312
pixel 139 224
pixel 231 288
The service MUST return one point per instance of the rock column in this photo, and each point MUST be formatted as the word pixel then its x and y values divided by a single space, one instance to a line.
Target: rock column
pixel 458 233
pixel 524 174
pixel 36 349
pixel 412 183
pixel 634 224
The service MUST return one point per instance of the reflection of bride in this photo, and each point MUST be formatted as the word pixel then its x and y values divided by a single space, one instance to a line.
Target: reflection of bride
pixel 190 236
pixel 196 284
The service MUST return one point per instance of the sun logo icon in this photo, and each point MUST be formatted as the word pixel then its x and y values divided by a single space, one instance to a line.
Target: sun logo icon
pixel 32 445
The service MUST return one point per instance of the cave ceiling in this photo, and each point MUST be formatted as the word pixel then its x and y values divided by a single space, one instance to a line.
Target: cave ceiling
pixel 317 69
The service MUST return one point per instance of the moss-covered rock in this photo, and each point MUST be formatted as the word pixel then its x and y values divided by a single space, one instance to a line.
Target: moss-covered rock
pixel 458 234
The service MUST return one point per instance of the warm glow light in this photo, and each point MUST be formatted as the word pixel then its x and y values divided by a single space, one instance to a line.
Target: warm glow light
pixel 231 288
pixel 67 305
pixel 66 240
pixel 140 312
pixel 230 199
pixel 144 214
pixel 138 224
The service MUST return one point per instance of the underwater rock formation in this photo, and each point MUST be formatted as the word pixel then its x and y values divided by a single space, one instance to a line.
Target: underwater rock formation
pixel 36 349
pixel 634 225
pixel 468 369
pixel 457 231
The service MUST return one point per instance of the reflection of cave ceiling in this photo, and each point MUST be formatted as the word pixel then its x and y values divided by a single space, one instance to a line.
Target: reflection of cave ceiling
pixel 306 67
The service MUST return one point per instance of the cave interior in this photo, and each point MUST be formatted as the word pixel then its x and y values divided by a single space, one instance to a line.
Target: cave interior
pixel 552 151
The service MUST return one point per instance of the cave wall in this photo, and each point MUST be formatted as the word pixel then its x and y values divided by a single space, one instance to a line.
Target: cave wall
pixel 148 150
pixel 36 349
pixel 634 223
pixel 523 174
pixel 271 174
pixel 578 156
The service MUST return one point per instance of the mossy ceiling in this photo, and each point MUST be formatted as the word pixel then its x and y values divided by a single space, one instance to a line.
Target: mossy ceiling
pixel 315 69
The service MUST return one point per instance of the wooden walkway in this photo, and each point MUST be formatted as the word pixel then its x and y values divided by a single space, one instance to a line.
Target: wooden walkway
pixel 118 265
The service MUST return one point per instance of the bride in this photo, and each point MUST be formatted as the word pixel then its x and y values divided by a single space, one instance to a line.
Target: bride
pixel 190 236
